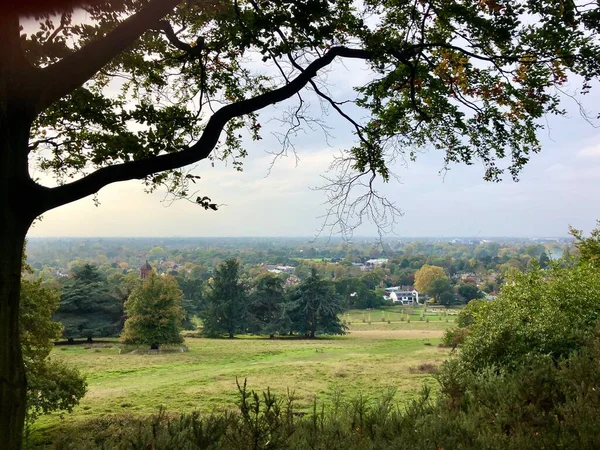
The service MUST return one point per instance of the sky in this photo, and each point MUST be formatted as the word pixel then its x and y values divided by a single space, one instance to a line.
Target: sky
pixel 559 187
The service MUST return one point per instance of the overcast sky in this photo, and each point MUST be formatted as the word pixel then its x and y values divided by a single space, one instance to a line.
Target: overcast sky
pixel 560 186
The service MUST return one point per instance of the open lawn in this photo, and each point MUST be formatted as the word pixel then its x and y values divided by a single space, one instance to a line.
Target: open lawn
pixel 368 360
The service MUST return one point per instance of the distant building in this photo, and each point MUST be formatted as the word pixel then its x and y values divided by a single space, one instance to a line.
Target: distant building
pixel 372 263
pixel 145 270
pixel 402 295
pixel 280 269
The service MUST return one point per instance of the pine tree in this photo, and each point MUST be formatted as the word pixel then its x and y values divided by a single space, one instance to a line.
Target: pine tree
pixel 226 303
pixel 87 308
pixel 317 307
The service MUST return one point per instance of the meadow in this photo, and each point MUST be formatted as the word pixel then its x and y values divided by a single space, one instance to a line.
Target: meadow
pixel 370 360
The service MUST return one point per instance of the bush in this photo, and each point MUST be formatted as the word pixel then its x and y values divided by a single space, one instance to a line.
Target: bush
pixel 542 312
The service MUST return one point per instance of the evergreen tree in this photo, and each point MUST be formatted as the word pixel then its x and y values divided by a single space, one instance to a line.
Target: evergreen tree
pixel 87 308
pixel 317 307
pixel 154 313
pixel 193 301
pixel 267 306
pixel 226 306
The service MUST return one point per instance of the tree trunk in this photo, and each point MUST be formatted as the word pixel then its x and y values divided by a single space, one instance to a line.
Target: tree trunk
pixel 18 207
pixel 12 372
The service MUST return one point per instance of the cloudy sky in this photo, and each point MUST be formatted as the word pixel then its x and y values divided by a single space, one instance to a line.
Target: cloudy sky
pixel 560 186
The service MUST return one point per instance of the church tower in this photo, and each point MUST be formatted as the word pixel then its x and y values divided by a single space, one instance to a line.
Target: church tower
pixel 145 270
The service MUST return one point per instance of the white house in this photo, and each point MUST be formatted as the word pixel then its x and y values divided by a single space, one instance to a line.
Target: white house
pixel 400 295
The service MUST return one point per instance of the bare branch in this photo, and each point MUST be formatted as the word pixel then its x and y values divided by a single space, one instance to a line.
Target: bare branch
pixel 50 198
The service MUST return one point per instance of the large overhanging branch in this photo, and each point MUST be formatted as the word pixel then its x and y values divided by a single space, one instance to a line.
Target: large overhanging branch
pixel 50 198
pixel 74 70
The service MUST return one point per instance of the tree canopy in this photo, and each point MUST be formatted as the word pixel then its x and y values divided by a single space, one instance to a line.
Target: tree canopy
pixel 471 79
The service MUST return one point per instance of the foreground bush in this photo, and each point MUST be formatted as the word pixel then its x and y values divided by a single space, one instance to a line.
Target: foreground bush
pixel 549 312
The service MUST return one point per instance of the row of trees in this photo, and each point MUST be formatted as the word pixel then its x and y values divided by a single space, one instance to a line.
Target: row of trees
pixel 234 307
pixel 92 306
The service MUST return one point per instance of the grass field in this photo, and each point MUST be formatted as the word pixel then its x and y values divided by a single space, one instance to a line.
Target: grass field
pixel 370 359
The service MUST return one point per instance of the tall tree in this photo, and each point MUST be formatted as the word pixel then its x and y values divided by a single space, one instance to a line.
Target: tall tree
pixel 87 307
pixel 154 312
pixel 470 79
pixel 317 306
pixel 226 301
pixel 267 306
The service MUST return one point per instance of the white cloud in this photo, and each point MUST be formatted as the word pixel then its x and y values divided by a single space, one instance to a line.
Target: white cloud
pixel 589 152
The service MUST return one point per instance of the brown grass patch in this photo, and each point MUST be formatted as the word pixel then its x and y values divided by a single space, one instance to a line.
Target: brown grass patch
pixel 396 334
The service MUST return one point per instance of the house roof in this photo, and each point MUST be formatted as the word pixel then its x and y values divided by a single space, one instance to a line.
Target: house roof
pixel 146 266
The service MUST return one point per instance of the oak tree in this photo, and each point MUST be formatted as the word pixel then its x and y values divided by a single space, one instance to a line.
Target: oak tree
pixel 139 89
pixel 154 313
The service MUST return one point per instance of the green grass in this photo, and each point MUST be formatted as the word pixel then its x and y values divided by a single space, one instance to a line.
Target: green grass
pixel 369 360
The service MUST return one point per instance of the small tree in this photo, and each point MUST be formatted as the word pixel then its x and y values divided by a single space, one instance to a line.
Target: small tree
pixel 154 313
pixel 469 291
pixel 51 384
pixel 226 305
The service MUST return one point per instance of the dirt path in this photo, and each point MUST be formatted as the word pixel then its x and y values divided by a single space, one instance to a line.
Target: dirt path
pixel 396 334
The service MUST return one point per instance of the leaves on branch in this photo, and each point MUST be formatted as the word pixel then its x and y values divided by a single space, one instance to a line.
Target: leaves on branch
pixel 205 202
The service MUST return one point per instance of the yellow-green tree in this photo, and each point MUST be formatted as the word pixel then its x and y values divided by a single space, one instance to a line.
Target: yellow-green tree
pixel 154 313
pixel 426 276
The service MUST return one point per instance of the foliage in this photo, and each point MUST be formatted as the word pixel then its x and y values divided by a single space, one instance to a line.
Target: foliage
pixel 87 308
pixel 439 287
pixel 51 385
pixel 426 276
pixel 317 307
pixel 226 305
pixel 193 301
pixel 268 308
pixel 548 312
pixel 469 79
pixel 469 291
pixel 589 248
pixel 356 293
pixel 154 313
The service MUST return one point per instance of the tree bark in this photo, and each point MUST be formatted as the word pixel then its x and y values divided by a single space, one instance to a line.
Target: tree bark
pixel 18 208
pixel 12 372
